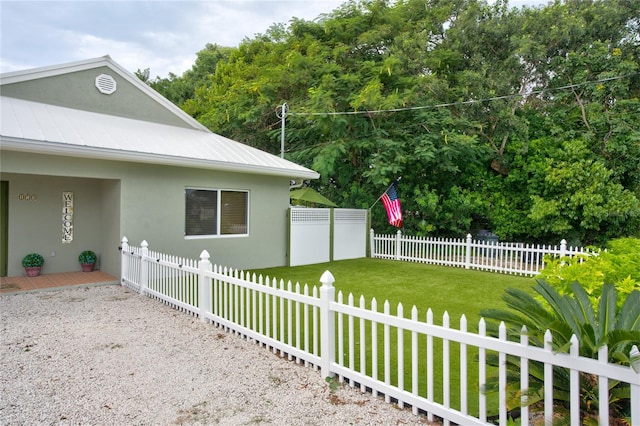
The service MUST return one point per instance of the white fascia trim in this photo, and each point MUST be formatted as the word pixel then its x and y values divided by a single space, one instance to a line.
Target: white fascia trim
pixel 52 148
pixel 51 70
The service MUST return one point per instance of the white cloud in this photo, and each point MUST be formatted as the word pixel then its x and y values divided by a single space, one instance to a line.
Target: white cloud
pixel 161 35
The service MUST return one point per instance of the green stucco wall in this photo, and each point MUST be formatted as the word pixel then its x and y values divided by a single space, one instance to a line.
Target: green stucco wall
pixel 139 201
pixel 35 220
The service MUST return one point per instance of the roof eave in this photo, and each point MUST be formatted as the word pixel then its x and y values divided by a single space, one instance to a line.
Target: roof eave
pixel 52 148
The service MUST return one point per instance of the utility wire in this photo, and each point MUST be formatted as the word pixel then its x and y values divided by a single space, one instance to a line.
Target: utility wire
pixel 471 101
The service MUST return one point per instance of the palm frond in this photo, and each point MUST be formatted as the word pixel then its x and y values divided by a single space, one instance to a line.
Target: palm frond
pixel 629 317
pixel 606 313
pixel 584 304
pixel 525 303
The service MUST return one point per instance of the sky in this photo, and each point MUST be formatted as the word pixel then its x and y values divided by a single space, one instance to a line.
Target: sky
pixel 163 36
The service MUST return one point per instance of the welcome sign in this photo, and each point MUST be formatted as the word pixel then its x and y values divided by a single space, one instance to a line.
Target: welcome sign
pixel 67 217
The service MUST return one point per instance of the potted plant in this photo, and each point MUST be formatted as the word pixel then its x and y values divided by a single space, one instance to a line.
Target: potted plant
pixel 88 260
pixel 32 264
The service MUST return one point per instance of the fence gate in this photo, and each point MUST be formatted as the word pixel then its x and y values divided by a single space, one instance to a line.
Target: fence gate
pixel 318 235
pixel 349 234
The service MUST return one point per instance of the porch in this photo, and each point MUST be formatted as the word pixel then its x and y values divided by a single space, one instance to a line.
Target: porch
pixel 43 282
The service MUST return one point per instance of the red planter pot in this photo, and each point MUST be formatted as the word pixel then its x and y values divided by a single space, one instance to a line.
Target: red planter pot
pixel 33 271
pixel 87 267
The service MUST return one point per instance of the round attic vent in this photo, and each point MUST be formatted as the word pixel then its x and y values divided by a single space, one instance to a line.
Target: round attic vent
pixel 105 84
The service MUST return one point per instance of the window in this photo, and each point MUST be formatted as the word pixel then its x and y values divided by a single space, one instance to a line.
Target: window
pixel 216 212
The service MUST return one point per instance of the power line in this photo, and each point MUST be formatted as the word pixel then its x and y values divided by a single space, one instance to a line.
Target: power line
pixel 471 101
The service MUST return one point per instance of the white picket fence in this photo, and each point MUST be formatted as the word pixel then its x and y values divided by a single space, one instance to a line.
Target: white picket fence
pixel 504 257
pixel 410 361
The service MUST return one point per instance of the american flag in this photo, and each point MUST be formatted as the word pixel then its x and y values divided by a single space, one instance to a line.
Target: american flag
pixel 392 205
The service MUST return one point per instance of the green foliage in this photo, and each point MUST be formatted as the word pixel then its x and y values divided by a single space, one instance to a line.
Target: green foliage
pixel 566 316
pixel 561 190
pixel 522 121
pixel 87 257
pixel 619 264
pixel 32 260
pixel 333 383
pixel 182 90
pixel 579 197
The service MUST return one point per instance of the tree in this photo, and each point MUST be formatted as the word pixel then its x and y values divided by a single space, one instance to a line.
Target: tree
pixel 522 121
pixel 564 190
pixel 181 90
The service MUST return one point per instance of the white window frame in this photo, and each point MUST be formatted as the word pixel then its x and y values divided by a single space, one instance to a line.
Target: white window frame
pixel 219 192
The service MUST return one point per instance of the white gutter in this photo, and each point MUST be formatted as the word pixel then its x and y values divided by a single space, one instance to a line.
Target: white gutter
pixel 54 148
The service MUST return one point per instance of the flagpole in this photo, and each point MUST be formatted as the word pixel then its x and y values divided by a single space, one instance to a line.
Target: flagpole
pixel 385 191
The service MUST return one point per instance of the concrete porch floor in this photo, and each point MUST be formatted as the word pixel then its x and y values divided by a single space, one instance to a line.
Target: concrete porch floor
pixel 23 283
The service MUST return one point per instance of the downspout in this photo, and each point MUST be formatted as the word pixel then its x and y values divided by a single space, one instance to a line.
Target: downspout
pixel 295 183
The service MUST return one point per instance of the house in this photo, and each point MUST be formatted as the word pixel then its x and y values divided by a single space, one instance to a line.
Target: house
pixel 89 154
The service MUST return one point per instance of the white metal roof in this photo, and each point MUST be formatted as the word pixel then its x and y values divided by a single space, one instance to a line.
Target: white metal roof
pixel 36 127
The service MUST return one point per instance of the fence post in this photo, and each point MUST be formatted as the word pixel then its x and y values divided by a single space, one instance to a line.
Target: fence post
pixel 467 257
pixel 563 248
pixel 204 285
pixel 327 324
pixel 124 265
pixel 372 245
pixel 603 384
pixel 398 248
pixel 144 270
pixel 634 355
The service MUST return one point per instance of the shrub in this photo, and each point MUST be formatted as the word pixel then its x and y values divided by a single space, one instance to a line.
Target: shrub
pixel 32 260
pixel 565 316
pixel 619 265
pixel 87 257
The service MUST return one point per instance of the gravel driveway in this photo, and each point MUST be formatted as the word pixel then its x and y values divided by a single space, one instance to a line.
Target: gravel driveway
pixel 106 356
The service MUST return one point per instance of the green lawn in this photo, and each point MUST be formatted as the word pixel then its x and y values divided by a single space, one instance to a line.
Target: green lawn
pixel 441 288
pixel 454 290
